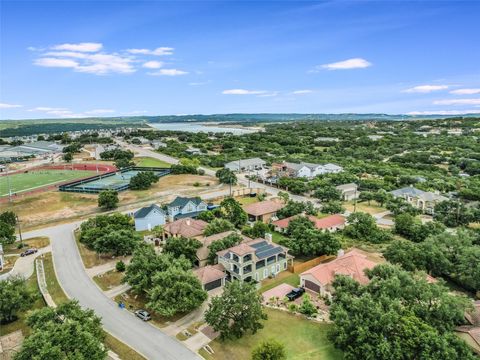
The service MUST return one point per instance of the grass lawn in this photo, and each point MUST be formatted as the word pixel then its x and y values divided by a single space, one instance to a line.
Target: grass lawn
pixel 31 180
pixel 20 324
pixel 192 329
pixel 36 242
pixel 283 277
pixel 121 349
pixel 373 208
pixel 278 238
pixel 303 339
pixel 134 302
pixel 152 162
pixel 246 200
pixel 9 262
pixel 109 280
pixel 54 288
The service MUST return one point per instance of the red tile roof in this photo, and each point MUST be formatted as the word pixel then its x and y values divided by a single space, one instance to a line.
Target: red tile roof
pixel 209 273
pixel 263 207
pixel 323 223
pixel 351 264
pixel 186 227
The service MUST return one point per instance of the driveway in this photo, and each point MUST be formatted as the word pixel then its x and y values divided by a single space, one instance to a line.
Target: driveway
pixel 143 337
pixel 24 265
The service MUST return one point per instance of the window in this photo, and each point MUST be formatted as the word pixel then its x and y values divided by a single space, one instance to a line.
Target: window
pixel 284 265
pixel 265 273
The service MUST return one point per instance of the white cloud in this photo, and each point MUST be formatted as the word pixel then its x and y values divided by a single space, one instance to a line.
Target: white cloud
pixel 56 62
pixel 243 92
pixel 9 106
pixel 465 91
pixel 355 63
pixel 458 102
pixel 199 83
pixel 444 112
pixel 168 72
pixel 302 92
pixel 160 51
pixel 152 64
pixel 426 88
pixel 101 64
pixel 82 47
pixel 99 111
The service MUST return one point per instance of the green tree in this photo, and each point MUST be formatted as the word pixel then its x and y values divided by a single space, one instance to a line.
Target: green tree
pixel 65 332
pixel 122 163
pixel 269 349
pixel 108 199
pixel 143 180
pixel 226 176
pixel 117 242
pixel 362 226
pixel 304 239
pixel 178 246
pixel 307 308
pixel 14 297
pixel 332 207
pixel 68 157
pixel 453 213
pixel 257 230
pixel 175 290
pixel 9 217
pixel 327 193
pixel 233 212
pixel 236 311
pixel 7 233
pixel 218 226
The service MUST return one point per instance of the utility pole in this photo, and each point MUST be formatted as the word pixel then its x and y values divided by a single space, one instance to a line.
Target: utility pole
pixel 355 200
pixel 8 183
pixel 19 230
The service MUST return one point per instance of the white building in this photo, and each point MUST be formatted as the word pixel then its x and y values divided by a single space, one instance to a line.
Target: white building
pixel 243 165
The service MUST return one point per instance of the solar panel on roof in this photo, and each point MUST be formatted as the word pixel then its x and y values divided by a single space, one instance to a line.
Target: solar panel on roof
pixel 269 252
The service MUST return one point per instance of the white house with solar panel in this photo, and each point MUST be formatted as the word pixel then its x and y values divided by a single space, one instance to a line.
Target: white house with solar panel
pixel 148 217
pixel 244 165
pixel 254 260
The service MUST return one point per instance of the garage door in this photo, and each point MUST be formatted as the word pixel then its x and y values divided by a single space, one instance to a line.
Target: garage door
pixel 312 286
pixel 213 285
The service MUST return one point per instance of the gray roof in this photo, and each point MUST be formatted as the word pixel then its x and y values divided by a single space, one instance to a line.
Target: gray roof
pixel 349 186
pixel 264 249
pixel 143 212
pixel 247 162
pixel 182 201
pixel 414 192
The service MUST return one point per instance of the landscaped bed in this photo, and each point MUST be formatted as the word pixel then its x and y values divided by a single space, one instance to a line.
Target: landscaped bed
pixel 303 339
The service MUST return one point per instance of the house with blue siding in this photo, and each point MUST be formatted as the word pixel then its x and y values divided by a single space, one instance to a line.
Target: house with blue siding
pixel 183 207
pixel 148 217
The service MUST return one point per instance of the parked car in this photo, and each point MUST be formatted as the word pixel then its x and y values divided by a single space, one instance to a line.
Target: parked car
pixel 143 314
pixel 295 294
pixel 29 252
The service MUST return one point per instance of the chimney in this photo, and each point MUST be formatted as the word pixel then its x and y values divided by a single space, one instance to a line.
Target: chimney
pixel 340 253
pixel 188 222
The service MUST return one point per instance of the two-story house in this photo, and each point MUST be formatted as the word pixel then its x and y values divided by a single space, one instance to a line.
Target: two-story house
pixel 254 260
pixel 183 207
pixel 148 217
pixel 304 169
pixel 423 200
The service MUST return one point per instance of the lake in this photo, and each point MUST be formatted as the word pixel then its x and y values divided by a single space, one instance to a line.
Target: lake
pixel 201 127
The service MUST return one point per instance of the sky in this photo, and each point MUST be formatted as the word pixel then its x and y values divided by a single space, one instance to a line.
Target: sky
pixel 124 58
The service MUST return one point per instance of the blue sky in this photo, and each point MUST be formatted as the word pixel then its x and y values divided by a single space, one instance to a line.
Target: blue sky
pixel 111 58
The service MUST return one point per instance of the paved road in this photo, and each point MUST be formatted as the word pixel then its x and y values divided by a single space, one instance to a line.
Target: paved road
pixel 143 337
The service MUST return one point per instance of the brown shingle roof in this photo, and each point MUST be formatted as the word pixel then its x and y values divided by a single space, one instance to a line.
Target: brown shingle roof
pixel 263 207
pixel 186 227
pixel 323 223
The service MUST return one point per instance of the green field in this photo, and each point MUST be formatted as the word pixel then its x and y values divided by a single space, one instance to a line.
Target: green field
pixel 148 161
pixel 303 339
pixel 35 179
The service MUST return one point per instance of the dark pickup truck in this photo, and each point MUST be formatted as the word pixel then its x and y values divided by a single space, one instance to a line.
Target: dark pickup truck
pixel 295 294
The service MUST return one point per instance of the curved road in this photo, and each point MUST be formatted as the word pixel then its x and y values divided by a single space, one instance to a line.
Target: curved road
pixel 143 337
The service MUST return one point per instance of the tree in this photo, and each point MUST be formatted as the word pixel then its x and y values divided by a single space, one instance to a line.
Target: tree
pixel 100 225
pixel 7 233
pixel 178 246
pixel 367 196
pixel 285 196
pixel 175 290
pixel 143 180
pixel 68 157
pixel 362 226
pixel 9 217
pixel 65 332
pixel 332 207
pixel 412 228
pixel 327 193
pixel 108 199
pixel 453 213
pixel 120 266
pixel 14 297
pixel 258 230
pixel 222 244
pixel 296 207
pixel 307 308
pixel 123 163
pixel 226 176
pixel 236 311
pixel 118 242
pixel 397 315
pixel 218 226
pixel 145 263
pixel 232 211
pixel 269 349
